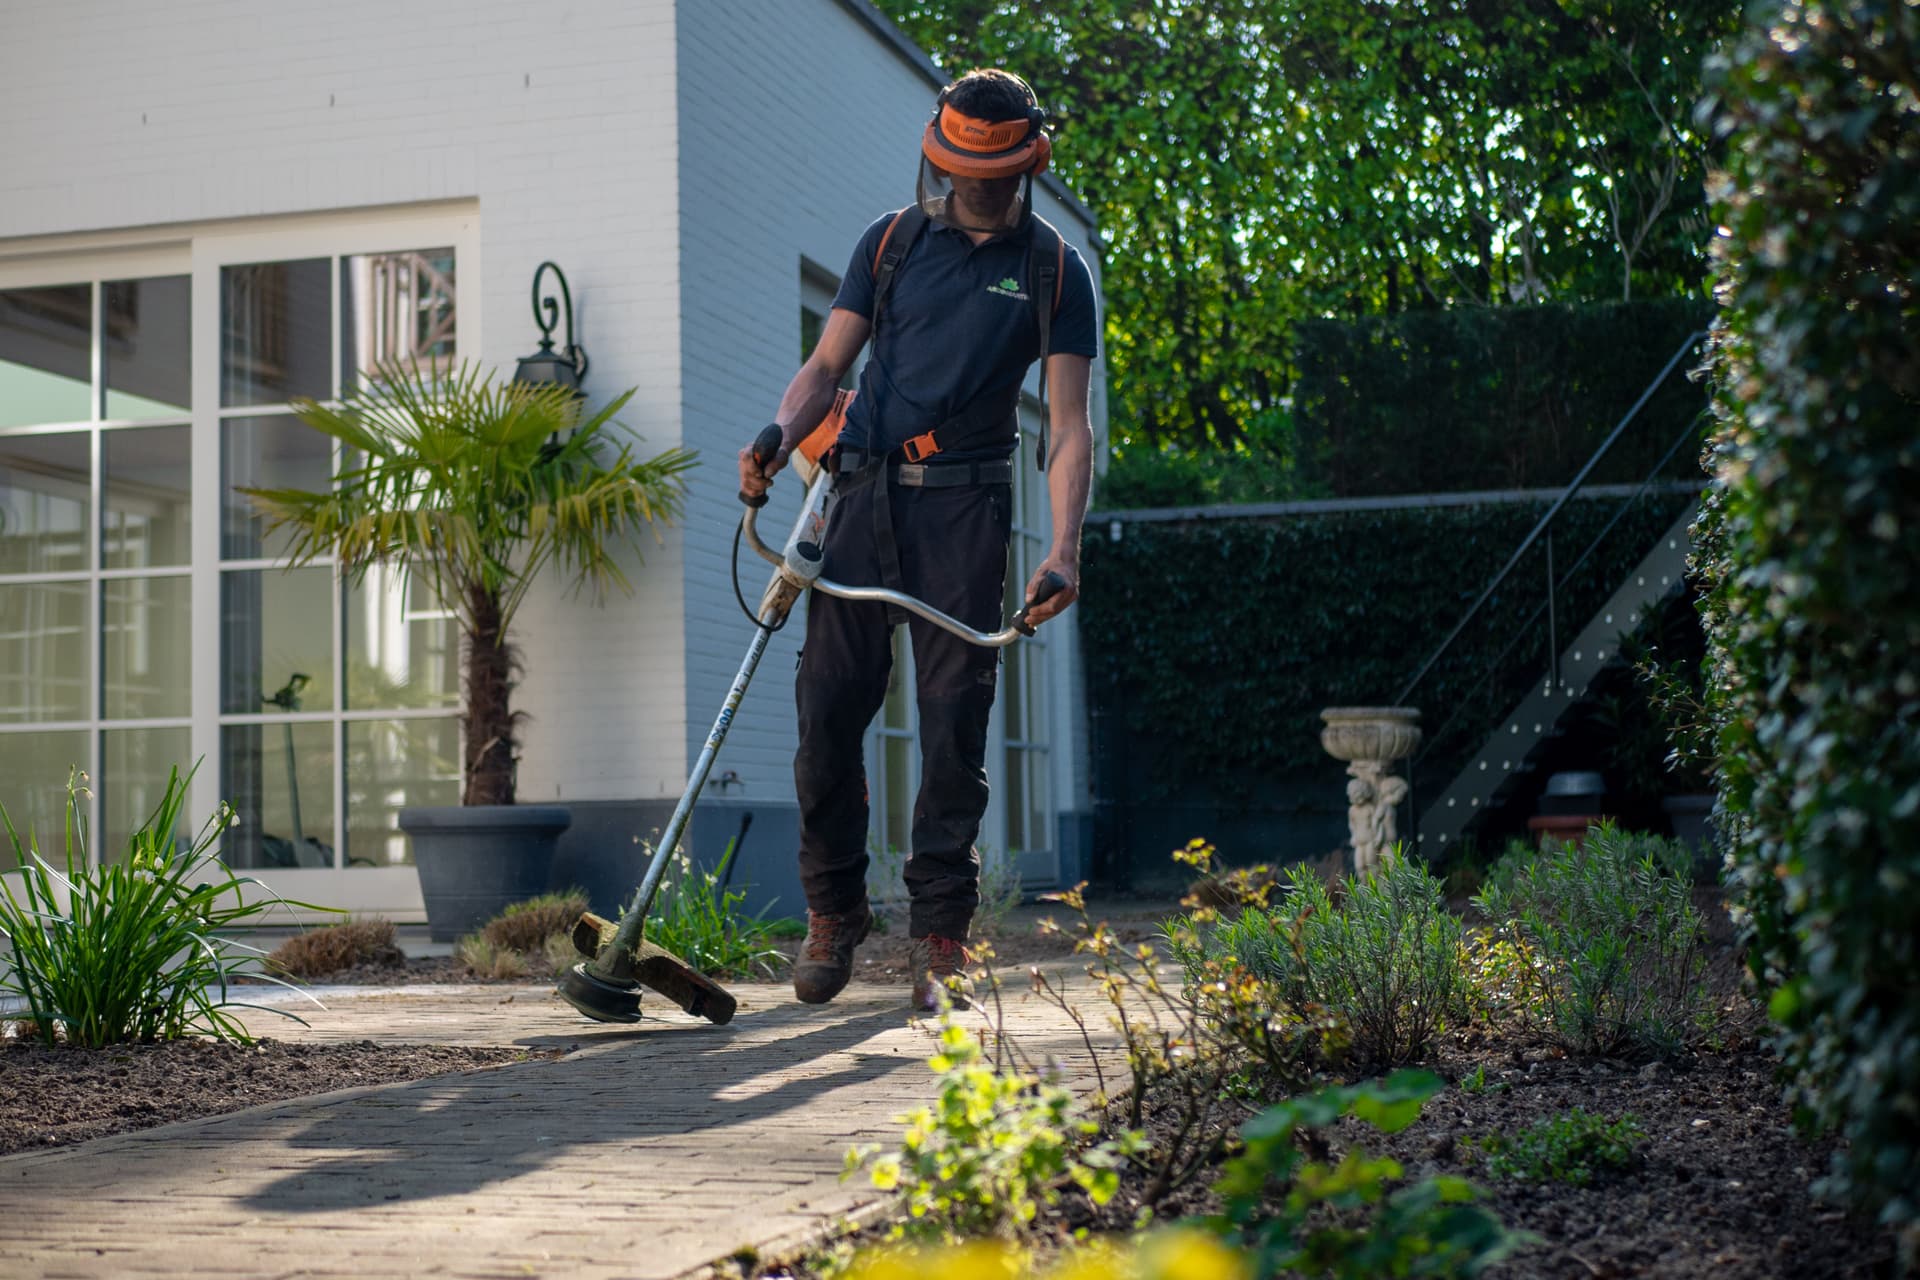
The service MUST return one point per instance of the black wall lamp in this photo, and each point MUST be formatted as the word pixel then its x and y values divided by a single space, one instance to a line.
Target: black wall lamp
pixel 565 367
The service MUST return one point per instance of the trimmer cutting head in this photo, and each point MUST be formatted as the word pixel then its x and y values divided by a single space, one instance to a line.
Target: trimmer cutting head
pixel 609 988
pixel 600 1000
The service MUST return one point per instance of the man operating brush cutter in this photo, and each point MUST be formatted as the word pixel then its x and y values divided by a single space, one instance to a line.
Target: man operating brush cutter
pixel 960 293
pixel 906 518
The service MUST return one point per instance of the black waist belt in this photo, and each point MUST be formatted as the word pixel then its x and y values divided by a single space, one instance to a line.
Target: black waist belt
pixel 929 475
pixel 855 468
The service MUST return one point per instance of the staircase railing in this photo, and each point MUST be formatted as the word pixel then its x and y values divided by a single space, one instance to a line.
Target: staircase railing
pixel 1556 584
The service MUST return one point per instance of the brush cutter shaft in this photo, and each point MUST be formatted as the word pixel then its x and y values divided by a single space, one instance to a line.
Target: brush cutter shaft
pixel 635 918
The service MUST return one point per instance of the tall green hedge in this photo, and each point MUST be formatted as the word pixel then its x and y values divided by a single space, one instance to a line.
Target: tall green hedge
pixel 1489 397
pixel 1813 552
pixel 1223 639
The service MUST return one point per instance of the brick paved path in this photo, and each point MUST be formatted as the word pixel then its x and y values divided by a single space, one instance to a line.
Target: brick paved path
pixel 647 1150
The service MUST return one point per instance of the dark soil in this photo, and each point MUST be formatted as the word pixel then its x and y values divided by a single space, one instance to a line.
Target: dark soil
pixel 57 1096
pixel 1720 1185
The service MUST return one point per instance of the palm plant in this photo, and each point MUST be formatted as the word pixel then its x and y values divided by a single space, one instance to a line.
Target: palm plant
pixel 476 485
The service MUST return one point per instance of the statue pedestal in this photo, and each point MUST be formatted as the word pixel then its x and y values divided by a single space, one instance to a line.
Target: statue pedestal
pixel 1370 740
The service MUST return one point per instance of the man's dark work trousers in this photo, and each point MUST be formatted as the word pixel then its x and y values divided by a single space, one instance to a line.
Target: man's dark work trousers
pixel 953 555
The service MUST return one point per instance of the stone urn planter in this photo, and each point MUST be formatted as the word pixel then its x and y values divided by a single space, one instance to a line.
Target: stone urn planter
pixel 1370 739
pixel 477 860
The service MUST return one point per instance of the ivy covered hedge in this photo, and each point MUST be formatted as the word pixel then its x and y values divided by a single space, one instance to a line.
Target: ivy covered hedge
pixel 1813 555
pixel 1489 397
pixel 1221 640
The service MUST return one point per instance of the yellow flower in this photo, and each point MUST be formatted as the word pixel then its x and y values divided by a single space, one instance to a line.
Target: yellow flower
pixel 1184 1254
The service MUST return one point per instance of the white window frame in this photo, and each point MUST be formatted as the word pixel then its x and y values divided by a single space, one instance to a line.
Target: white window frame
pixel 201 252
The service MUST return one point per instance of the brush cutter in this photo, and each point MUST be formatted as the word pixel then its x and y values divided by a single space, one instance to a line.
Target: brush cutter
pixel 619 959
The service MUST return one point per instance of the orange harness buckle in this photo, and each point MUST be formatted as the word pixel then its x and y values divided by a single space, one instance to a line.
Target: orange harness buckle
pixel 920 447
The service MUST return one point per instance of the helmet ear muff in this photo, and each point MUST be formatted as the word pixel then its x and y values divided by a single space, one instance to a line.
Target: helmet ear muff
pixel 1042 153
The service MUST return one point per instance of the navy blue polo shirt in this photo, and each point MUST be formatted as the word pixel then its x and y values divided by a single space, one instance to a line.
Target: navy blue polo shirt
pixel 953 330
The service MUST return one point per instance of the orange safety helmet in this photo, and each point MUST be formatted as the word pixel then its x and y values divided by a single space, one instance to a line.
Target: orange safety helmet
pixel 957 145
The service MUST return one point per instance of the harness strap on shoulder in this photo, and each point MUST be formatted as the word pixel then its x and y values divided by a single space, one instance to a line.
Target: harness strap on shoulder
pixel 892 252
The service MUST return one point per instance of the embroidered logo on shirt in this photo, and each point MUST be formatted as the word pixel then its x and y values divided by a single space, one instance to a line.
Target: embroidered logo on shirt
pixel 1008 288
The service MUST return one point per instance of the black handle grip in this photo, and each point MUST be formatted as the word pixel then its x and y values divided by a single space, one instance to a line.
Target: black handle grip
pixel 766 447
pixel 1050 586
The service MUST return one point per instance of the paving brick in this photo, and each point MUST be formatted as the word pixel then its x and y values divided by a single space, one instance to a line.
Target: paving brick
pixel 646 1151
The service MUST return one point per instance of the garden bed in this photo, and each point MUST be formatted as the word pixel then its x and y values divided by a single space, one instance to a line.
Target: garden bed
pixel 58 1096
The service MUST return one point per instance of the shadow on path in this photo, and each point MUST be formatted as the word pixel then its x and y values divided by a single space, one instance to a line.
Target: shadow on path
pixel 456 1134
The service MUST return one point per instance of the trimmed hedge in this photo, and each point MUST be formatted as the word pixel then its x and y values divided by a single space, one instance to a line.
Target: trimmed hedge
pixel 1489 398
pixel 1812 553
pixel 1224 639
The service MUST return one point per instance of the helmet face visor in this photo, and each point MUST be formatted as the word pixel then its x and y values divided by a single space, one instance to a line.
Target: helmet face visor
pixel 992 205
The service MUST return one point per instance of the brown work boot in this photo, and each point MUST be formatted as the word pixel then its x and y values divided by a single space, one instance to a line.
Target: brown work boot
pixel 939 967
pixel 826 957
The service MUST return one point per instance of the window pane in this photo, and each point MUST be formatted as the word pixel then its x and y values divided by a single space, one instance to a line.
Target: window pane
pixel 1016 776
pixel 46 355
pixel 392 764
pixel 1039 829
pixel 44 644
pixel 147 490
pixel 812 324
pixel 1012 672
pixel 396 306
pixel 145 347
pixel 899 798
pixel 44 488
pixel 134 764
pixel 147 633
pixel 274 342
pixel 276 649
pixel 899 704
pixel 266 453
pixel 279 780
pixel 402 651
pixel 34 768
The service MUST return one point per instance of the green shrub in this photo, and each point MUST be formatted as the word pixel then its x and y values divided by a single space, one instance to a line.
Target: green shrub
pixel 1489 397
pixel 705 925
pixel 992 1149
pixel 1300 601
pixel 1385 956
pixel 1143 476
pixel 526 926
pixel 1611 943
pixel 319 952
pixel 131 950
pixel 1571 1148
pixel 1275 1198
pixel 1810 545
pixel 487 959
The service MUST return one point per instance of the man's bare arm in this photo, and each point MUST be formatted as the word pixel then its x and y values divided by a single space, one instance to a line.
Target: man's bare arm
pixel 810 394
pixel 1069 477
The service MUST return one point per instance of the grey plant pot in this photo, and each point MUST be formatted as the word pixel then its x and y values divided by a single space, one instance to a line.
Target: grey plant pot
pixel 475 861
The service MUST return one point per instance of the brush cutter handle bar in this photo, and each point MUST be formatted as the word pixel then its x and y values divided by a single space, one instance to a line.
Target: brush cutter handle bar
pixel 1014 630
pixel 985 639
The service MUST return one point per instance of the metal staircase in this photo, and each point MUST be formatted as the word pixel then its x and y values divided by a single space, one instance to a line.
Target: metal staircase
pixel 1508 750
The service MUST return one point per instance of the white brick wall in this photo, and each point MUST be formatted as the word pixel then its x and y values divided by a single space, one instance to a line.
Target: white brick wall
pixel 558 119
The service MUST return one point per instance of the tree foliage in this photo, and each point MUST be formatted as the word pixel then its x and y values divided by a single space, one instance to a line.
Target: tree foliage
pixel 1253 162
pixel 1812 551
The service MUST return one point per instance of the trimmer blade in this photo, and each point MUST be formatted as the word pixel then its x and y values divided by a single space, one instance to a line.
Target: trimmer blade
pixel 597 999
